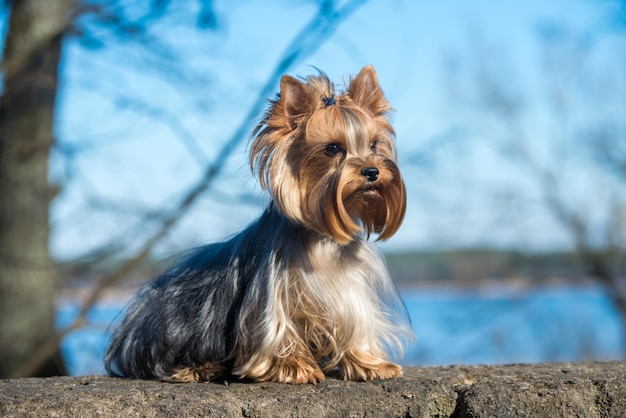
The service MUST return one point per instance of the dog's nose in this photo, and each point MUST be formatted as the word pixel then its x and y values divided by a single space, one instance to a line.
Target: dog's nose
pixel 370 173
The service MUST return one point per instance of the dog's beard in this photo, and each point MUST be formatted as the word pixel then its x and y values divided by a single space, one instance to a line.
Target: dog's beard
pixel 343 203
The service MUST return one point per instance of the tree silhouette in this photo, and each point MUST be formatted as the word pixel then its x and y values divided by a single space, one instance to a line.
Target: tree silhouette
pixel 28 277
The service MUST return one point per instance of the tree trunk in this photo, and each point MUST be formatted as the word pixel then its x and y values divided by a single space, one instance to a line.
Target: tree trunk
pixel 27 274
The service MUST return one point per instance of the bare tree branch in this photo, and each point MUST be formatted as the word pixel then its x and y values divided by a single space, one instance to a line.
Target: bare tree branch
pixel 311 37
pixel 172 121
pixel 600 150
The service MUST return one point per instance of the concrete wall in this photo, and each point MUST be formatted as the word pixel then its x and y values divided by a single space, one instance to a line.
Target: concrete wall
pixel 545 390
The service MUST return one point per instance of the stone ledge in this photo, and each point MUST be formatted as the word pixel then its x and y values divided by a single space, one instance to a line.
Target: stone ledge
pixel 541 390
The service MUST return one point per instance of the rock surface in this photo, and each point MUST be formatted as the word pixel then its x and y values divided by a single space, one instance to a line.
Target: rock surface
pixel 542 390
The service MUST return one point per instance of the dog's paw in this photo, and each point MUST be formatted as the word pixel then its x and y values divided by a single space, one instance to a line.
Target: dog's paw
pixel 204 373
pixel 294 370
pixel 361 367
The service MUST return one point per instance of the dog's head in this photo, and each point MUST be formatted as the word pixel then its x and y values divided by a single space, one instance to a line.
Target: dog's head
pixel 329 159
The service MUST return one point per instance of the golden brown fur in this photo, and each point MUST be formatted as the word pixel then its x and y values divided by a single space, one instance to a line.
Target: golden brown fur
pixel 288 155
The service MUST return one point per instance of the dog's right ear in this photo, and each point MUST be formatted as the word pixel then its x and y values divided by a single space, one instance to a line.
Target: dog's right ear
pixel 294 102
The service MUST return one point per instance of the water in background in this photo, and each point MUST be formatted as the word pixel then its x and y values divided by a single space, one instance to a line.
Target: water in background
pixel 452 327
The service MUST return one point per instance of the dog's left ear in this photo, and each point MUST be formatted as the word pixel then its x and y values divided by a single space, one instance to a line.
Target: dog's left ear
pixel 365 92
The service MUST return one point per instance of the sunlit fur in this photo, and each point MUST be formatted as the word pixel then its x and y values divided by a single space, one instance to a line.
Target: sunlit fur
pixel 330 195
pixel 300 293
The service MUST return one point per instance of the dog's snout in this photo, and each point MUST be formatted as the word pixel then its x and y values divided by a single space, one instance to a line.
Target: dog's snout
pixel 370 173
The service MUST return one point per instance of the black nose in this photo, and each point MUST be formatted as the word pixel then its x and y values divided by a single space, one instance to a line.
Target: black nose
pixel 370 173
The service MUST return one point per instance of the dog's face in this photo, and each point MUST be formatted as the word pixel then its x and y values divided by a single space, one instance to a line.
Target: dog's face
pixel 329 160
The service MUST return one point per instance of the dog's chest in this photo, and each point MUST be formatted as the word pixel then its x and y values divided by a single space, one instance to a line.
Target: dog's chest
pixel 333 275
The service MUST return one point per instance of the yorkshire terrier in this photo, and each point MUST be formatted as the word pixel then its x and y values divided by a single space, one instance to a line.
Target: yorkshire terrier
pixel 300 293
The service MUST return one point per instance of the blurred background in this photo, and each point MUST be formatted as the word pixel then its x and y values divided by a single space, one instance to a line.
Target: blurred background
pixel 124 128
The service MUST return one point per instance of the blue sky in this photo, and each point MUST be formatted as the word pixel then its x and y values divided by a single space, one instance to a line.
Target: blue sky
pixel 140 161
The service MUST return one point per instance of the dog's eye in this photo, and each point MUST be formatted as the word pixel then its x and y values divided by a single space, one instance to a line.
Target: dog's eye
pixel 332 150
pixel 374 145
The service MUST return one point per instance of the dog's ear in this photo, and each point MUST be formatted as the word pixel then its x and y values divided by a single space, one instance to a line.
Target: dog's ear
pixel 365 92
pixel 294 101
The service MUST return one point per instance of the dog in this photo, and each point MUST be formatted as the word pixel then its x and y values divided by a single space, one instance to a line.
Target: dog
pixel 300 293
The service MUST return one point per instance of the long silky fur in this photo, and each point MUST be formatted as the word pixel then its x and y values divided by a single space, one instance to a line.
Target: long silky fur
pixel 235 304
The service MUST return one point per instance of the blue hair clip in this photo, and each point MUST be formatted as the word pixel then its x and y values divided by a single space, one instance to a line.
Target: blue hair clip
pixel 329 100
